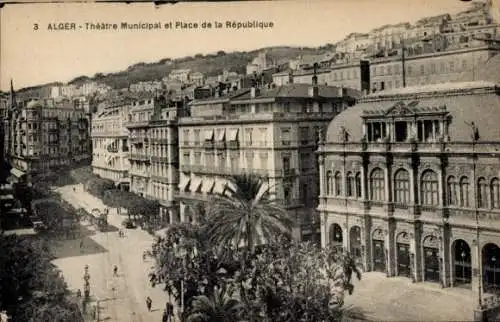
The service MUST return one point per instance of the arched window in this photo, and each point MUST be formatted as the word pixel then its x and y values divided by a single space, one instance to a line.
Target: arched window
pixel 495 193
pixel 464 192
pixel 452 191
pixel 358 185
pixel 429 189
pixel 349 184
pixel 338 183
pixel 377 185
pixel 402 186
pixel 329 183
pixel 482 194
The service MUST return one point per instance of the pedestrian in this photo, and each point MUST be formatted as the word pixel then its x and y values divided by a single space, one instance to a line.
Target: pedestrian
pixel 170 311
pixel 149 302
pixel 165 317
pixel 115 270
pixel 81 244
pixel 78 293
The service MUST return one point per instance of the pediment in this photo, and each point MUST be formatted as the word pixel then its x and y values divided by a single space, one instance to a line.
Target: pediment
pixel 402 109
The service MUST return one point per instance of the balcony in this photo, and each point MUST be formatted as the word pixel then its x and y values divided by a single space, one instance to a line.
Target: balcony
pixel 136 124
pixel 233 145
pixel 159 159
pixel 139 157
pixel 221 145
pixel 208 144
pixel 159 140
pixel 223 171
pixel 160 179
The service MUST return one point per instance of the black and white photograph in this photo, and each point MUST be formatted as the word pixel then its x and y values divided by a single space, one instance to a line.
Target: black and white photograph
pixel 250 161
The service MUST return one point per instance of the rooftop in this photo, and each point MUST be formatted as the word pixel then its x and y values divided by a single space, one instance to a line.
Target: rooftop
pixel 477 102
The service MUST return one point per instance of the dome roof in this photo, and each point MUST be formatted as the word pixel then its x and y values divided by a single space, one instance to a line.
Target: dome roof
pixel 33 104
pixel 477 102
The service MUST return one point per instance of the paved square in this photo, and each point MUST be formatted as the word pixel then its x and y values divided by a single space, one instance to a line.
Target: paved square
pixel 398 299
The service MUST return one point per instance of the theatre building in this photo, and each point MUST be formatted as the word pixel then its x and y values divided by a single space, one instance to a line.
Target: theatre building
pixel 410 184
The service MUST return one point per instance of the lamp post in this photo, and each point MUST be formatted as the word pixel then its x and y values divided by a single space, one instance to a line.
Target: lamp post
pixel 86 285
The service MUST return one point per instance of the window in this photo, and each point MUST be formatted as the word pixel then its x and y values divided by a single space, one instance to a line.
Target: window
pixel 452 66
pixel 482 196
pixel 329 183
pixel 401 129
pixel 338 183
pixel 287 195
pixel 186 158
pixel 196 137
pixel 349 184
pixel 495 193
pixel 452 188
pixel 429 189
pixel 358 185
pixel 286 163
pixel 248 136
pixel 285 136
pixel 422 69
pixel 402 187
pixel 377 185
pixel 304 135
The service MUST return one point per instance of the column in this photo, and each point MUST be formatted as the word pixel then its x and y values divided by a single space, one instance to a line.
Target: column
pixel 440 188
pixel 363 184
pixel 324 228
pixel 322 176
pixel 413 251
pixel 476 283
pixel 387 183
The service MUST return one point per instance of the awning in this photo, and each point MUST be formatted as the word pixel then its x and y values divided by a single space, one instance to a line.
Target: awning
pixel 184 183
pixel 6 197
pixel 195 185
pixel 208 185
pixel 209 135
pixel 232 135
pixel 220 185
pixel 220 135
pixel 17 173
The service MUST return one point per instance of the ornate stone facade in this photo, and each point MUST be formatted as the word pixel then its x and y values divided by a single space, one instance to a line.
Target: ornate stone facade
pixel 427 209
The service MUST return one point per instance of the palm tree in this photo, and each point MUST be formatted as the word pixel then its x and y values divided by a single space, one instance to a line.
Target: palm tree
pixel 246 212
pixel 219 307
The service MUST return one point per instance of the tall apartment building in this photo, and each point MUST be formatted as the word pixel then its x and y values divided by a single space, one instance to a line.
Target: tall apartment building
pixel 110 144
pixel 410 184
pixel 271 132
pixel 421 68
pixel 45 134
pixel 459 65
pixel 152 125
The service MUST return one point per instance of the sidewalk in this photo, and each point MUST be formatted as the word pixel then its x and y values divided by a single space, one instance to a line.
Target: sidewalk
pixel 131 287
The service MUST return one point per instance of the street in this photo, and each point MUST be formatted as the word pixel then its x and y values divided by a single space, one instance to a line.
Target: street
pixel 121 298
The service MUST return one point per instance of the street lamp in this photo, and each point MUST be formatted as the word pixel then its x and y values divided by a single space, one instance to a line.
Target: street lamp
pixel 86 285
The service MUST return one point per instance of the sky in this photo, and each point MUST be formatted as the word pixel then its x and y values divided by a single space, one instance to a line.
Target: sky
pixel 32 57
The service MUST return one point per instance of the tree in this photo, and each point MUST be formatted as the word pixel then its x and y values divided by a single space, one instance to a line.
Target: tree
pixel 31 289
pixel 296 282
pixel 246 212
pixel 218 307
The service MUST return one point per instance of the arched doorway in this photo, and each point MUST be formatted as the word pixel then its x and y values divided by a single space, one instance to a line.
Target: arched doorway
pixel 491 268
pixel 378 250
pixel 431 259
pixel 336 237
pixel 355 241
pixel 462 262
pixel 403 254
